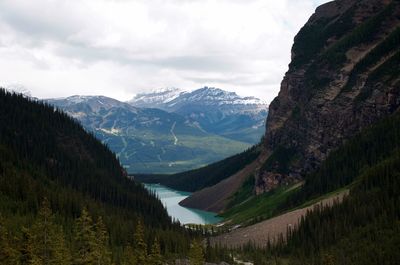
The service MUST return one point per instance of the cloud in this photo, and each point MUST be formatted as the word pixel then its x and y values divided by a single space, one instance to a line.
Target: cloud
pixel 120 47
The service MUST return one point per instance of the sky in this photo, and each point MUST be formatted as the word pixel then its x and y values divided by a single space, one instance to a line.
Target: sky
pixel 118 48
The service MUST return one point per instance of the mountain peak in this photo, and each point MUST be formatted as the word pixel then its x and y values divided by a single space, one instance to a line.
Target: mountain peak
pixel 172 98
pixel 96 103
pixel 156 98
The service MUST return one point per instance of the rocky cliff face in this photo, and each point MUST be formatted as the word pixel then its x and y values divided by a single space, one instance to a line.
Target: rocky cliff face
pixel 344 76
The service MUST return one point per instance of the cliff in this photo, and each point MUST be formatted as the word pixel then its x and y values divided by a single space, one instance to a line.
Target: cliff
pixel 343 77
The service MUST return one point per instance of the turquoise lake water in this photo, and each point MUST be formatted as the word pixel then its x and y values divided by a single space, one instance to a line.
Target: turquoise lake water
pixel 171 198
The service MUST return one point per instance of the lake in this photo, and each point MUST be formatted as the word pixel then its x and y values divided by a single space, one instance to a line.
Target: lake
pixel 171 198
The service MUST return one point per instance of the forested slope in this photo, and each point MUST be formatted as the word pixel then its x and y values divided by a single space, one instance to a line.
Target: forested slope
pixel 47 159
pixel 364 228
pixel 207 176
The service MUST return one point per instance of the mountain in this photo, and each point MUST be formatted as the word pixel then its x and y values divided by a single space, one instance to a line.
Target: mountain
pixel 343 77
pixel 51 172
pixel 214 110
pixel 148 140
pixel 159 98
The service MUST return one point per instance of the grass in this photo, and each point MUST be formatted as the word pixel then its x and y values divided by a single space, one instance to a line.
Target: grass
pixel 258 208
pixel 265 206
pixel 325 196
pixel 245 192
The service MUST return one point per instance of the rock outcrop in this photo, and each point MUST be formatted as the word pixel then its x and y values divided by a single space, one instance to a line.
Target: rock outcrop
pixel 344 76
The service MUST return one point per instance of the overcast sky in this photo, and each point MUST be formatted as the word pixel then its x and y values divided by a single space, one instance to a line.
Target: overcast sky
pixel 118 48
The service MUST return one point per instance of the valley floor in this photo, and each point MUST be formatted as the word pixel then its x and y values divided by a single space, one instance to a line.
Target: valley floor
pixel 269 230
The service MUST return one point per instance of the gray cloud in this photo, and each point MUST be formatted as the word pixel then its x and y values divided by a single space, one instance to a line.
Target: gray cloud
pixel 121 47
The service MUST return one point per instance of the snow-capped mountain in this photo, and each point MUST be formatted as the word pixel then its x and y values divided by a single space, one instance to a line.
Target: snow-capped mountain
pixel 156 99
pixel 171 130
pixel 19 89
pixel 148 140
pixel 215 110
pixel 95 103
pixel 171 99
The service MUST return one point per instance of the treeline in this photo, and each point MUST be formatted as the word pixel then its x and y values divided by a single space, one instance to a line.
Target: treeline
pixel 207 176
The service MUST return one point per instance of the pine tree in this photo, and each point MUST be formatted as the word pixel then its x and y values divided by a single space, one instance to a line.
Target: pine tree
pixel 103 254
pixel 140 245
pixel 196 256
pixel 27 255
pixel 328 259
pixel 85 241
pixel 49 242
pixel 155 257
pixel 7 253
pixel 129 257
pixel 61 253
pixel 210 252
pixel 41 233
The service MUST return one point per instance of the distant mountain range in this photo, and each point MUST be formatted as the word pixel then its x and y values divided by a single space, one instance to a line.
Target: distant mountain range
pixel 171 130
pixel 215 110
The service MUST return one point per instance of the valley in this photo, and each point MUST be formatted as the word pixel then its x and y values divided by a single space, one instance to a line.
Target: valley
pixel 209 177
pixel 154 138
pixel 331 130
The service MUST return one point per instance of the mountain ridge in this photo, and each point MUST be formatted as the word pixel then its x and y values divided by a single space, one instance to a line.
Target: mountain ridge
pixel 151 140
pixel 215 110
pixel 167 98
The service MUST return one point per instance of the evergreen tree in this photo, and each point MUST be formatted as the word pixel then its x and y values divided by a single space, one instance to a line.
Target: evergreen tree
pixel 210 252
pixel 27 255
pixel 140 245
pixel 85 240
pixel 129 257
pixel 155 257
pixel 328 259
pixel 196 256
pixel 103 254
pixel 7 253
pixel 41 233
pixel 61 253
pixel 49 243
